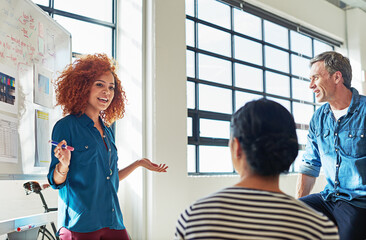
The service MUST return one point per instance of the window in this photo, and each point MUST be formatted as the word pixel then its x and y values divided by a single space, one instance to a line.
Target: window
pixel 92 23
pixel 235 56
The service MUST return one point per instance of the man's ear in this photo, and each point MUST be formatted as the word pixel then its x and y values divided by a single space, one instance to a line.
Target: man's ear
pixel 338 78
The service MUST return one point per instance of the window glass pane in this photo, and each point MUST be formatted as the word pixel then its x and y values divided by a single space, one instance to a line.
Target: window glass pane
pixel 214 128
pixel 190 7
pixel 213 40
pixel 283 102
pixel 214 12
pixel 320 47
pixel 83 32
pixel 301 43
pixel 247 24
pixel 300 66
pixel 209 101
pixel 191 158
pixel 215 159
pixel 247 50
pixel 302 112
pixel 190 33
pixel 190 64
pixel 214 69
pixel 275 34
pixel 42 2
pixel 277 84
pixel 189 127
pixel 191 95
pixel 248 77
pixel 276 59
pixel 301 91
pixel 242 98
pixel 302 136
pixel 101 10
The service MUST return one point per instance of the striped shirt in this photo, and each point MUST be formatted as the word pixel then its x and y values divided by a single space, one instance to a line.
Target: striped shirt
pixel 241 213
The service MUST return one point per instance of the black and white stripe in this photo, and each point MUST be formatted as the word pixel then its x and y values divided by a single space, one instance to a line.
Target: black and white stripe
pixel 240 213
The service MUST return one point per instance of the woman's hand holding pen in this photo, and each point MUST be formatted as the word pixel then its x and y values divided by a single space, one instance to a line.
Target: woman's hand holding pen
pixel 146 163
pixel 63 155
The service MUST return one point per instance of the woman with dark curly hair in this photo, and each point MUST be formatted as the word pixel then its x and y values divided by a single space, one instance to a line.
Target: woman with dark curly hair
pixel 90 94
pixel 263 145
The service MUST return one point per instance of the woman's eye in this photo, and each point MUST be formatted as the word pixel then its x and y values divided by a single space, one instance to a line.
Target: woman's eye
pixel 111 88
pixel 99 85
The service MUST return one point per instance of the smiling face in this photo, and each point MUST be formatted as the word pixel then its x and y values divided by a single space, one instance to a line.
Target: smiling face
pixel 322 83
pixel 101 94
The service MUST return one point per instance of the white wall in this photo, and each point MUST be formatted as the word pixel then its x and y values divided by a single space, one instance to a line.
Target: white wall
pixel 356 34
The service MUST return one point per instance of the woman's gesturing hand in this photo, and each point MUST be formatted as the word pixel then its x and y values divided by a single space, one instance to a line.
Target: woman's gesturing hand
pixel 146 163
pixel 62 154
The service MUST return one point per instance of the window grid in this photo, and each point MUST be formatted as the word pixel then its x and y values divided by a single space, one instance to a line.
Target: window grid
pixel 50 9
pixel 196 114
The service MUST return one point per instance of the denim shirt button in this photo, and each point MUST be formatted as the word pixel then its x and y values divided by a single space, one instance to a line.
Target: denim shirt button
pixel 86 147
pixel 336 134
pixel 350 135
pixel 336 150
pixel 362 135
pixel 337 194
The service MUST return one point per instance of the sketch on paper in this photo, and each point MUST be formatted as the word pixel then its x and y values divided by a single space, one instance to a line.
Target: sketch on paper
pixel 8 139
pixel 42 86
pixel 43 148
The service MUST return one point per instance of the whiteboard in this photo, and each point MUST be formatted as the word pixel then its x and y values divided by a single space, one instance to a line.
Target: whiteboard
pixel 34 49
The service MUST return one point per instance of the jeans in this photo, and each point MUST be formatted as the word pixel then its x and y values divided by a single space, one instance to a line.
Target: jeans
pixel 351 220
pixel 101 234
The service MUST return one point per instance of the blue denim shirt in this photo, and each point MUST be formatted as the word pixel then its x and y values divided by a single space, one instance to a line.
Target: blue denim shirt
pixel 88 198
pixel 339 146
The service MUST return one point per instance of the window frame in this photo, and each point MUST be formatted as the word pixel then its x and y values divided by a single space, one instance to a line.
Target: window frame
pixel 196 114
pixel 50 9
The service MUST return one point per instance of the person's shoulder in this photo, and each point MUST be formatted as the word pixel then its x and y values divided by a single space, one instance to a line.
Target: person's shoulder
pixel 363 100
pixel 63 121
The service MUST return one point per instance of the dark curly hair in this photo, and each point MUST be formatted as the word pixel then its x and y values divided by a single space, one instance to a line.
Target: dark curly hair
pixel 74 84
pixel 266 132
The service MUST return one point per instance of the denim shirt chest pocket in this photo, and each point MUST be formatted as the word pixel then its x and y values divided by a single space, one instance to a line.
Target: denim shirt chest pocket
pixel 354 144
pixel 84 153
pixel 325 141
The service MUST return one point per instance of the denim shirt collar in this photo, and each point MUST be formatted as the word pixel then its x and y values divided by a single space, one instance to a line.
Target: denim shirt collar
pixel 354 102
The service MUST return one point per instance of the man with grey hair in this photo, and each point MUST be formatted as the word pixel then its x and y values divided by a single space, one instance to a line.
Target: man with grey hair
pixel 336 142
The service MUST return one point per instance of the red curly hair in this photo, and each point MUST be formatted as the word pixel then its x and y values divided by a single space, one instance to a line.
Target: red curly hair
pixel 74 84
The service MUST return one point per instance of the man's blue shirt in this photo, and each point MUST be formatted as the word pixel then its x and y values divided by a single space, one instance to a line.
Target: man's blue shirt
pixel 339 147
pixel 88 198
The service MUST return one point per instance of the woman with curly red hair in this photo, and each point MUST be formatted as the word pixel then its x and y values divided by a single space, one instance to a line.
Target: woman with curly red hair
pixel 90 94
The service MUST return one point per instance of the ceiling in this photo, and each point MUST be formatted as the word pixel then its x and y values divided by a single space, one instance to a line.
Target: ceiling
pixel 348 4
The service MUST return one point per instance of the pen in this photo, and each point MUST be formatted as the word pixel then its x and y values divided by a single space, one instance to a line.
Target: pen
pixel 54 143
pixel 26 227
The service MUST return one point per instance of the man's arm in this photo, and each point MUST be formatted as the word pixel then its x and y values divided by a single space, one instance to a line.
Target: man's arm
pixel 305 184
